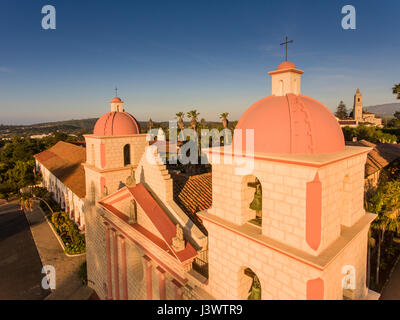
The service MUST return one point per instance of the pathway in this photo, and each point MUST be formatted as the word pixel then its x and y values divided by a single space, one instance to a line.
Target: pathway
pixel 68 284
pixel 20 265
pixel 392 289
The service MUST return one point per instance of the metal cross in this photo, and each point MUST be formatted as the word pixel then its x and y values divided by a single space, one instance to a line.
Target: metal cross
pixel 286 43
pixel 116 91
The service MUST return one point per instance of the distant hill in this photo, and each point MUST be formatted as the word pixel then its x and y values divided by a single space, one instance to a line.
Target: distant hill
pixel 77 127
pixel 384 110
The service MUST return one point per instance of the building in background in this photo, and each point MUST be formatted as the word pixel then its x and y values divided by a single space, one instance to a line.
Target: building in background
pixel 361 116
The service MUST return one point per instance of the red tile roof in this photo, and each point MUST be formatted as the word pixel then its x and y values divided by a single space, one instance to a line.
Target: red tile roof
pixel 379 157
pixel 193 194
pixel 157 216
pixel 160 220
pixel 64 160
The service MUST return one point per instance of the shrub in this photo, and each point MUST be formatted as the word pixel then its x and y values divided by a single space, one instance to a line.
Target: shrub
pixel 74 241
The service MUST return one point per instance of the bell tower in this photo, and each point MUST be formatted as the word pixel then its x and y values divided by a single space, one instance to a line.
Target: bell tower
pixel 114 148
pixel 358 106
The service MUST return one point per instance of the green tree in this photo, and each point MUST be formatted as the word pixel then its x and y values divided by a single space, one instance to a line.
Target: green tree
pixel 341 111
pixel 21 175
pixel 385 202
pixel 193 115
pixel 181 124
pixel 396 90
pixel 224 119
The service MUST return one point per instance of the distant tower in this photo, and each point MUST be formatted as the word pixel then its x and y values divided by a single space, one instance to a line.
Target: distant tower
pixel 358 107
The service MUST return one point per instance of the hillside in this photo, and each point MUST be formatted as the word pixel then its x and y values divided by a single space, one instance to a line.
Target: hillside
pixel 77 127
pixel 384 110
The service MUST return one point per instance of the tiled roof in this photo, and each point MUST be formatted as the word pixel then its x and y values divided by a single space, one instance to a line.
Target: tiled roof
pixel 380 156
pixel 158 218
pixel 347 121
pixel 64 160
pixel 193 193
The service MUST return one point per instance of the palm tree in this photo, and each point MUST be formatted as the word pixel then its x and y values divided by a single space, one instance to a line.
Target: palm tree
pixel 224 117
pixel 150 125
pixel 181 124
pixel 193 115
pixel 396 90
pixel 225 122
pixel 180 116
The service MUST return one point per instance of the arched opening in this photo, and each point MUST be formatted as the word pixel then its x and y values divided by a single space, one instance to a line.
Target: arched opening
pixel 249 285
pixel 281 88
pixel 252 200
pixel 127 154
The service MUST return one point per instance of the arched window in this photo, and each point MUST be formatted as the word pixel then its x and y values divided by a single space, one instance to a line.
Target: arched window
pixel 249 285
pixel 127 154
pixel 281 89
pixel 252 197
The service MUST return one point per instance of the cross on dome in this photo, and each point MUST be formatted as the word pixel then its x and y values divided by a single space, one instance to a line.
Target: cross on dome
pixel 286 43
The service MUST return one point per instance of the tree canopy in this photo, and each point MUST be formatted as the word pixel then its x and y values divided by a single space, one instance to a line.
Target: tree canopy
pixel 341 111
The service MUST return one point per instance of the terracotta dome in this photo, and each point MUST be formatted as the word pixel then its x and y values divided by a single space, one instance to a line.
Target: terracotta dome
pixel 292 124
pixel 286 65
pixel 116 123
pixel 116 99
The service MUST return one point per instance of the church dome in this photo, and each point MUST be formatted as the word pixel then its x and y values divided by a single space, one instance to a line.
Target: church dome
pixel 116 123
pixel 286 65
pixel 291 124
pixel 116 100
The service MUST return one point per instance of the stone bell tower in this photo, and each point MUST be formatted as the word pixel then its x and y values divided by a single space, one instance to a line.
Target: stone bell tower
pixel 358 106
pixel 310 228
pixel 115 147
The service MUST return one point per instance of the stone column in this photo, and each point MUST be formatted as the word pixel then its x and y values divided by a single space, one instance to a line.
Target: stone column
pixel 108 254
pixel 123 267
pixel 161 283
pixel 116 271
pixel 149 278
pixel 178 289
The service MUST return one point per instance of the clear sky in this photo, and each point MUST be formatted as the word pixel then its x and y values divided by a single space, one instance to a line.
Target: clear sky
pixel 170 56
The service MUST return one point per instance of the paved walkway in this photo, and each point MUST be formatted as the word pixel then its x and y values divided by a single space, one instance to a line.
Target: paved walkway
pixel 392 290
pixel 68 284
pixel 20 266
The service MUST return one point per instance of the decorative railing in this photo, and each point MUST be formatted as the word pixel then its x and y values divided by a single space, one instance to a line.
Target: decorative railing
pixel 200 264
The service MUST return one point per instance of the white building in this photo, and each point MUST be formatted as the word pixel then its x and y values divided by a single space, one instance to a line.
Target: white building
pixel 64 176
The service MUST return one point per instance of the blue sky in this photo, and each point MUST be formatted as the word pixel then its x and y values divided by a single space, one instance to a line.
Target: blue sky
pixel 170 56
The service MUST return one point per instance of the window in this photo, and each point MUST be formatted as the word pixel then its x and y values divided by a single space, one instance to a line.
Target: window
pixel 281 89
pixel 127 154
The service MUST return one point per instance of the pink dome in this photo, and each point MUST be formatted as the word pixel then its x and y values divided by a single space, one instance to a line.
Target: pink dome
pixel 115 124
pixel 292 124
pixel 116 99
pixel 286 65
